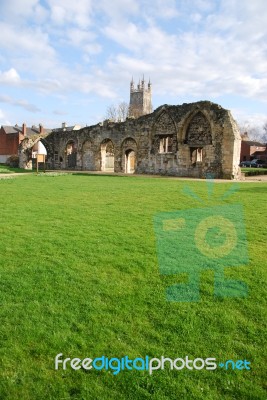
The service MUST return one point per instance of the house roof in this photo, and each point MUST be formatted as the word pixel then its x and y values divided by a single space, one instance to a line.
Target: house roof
pixel 10 129
pixel 67 128
pixel 34 130
pixel 251 143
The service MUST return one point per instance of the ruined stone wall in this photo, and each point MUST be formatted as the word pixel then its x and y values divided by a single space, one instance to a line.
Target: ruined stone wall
pixel 188 140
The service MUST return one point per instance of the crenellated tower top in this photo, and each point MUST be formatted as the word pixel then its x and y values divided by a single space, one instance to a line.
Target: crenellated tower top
pixel 140 98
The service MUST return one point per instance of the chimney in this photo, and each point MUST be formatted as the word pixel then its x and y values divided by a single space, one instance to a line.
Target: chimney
pixel 244 136
pixel 24 129
pixel 41 129
pixel 64 125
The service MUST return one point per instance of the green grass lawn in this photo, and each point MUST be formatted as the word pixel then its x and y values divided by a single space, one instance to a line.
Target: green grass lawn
pixel 80 276
pixel 4 169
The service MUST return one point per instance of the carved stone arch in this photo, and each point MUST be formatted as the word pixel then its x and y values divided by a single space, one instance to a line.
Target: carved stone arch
pixel 164 124
pixel 47 146
pixel 107 155
pixel 164 134
pixel 88 156
pixel 70 154
pixel 71 146
pixel 197 129
pixel 87 145
pixel 28 150
pixel 129 143
pixel 129 155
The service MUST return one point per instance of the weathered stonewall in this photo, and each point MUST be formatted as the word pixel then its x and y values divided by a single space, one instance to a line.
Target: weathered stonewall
pixel 184 140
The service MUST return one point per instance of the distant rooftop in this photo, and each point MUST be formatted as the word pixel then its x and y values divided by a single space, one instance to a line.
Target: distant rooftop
pixel 34 130
pixel 65 128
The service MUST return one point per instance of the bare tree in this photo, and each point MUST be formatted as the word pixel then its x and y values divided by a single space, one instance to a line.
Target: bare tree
pixel 117 113
pixel 253 132
pixel 123 110
pixel 112 113
pixel 264 136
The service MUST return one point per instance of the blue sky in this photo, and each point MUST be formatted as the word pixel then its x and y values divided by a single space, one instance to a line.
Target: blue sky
pixel 67 61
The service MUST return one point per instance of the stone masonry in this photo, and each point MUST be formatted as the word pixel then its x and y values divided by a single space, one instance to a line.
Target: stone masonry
pixel 190 140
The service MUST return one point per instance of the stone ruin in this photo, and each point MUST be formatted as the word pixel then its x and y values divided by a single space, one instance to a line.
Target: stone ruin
pixel 190 140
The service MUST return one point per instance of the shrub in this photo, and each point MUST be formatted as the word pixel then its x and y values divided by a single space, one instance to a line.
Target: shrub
pixel 254 171
pixel 13 161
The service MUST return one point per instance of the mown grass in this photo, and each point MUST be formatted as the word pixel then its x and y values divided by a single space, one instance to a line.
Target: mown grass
pixel 80 276
pixel 4 169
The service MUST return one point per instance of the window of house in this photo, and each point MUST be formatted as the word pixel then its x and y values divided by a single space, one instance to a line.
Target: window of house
pixel 56 156
pixel 165 144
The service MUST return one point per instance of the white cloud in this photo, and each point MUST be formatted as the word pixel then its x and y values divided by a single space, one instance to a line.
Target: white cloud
pixel 71 12
pixel 3 119
pixel 79 37
pixel 84 40
pixel 212 61
pixel 119 10
pixel 20 8
pixel 31 44
pixel 198 48
pixel 249 120
pixel 59 112
pixel 9 77
pixel 20 103
pixel 92 48
pixel 163 9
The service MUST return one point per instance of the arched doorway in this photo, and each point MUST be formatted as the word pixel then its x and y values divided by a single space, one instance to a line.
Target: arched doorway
pixel 130 161
pixel 71 154
pixel 38 148
pixel 39 155
pixel 129 155
pixel 107 156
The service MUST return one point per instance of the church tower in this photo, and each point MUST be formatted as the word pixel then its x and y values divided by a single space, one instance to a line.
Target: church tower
pixel 140 99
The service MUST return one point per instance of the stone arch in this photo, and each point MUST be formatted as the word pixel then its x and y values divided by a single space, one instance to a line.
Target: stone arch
pixel 88 157
pixel 129 155
pixel 38 148
pixel 70 154
pixel 48 148
pixel 164 134
pixel 197 130
pixel 28 150
pixel 107 155
pixel 196 135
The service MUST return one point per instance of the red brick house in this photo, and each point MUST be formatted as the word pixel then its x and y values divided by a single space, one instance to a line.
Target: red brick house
pixel 252 149
pixel 11 137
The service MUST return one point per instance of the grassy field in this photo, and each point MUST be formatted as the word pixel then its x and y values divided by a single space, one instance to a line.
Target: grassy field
pixel 4 169
pixel 80 276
